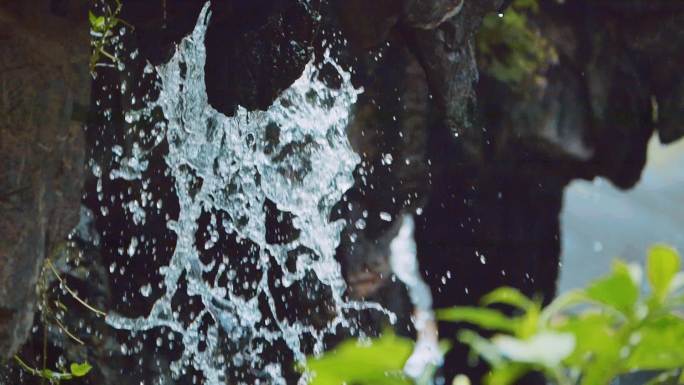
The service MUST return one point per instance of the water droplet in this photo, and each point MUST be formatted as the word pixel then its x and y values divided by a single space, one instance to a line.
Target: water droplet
pixel 146 290
pixel 132 246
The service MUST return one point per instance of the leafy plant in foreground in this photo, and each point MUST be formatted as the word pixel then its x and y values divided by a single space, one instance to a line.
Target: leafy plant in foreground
pixel 589 336
pixel 378 362
pixel 586 337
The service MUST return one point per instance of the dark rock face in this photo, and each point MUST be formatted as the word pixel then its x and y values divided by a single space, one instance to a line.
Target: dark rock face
pixel 367 23
pixel 262 60
pixel 595 109
pixel 496 165
pixel 617 80
pixel 430 14
pixel 424 78
pixel 255 49
pixel 495 222
pixel 44 87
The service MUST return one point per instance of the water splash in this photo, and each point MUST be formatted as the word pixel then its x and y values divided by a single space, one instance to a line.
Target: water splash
pixel 295 155
pixel 404 263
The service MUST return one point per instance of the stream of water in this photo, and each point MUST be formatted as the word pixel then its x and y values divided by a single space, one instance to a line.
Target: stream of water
pixel 295 155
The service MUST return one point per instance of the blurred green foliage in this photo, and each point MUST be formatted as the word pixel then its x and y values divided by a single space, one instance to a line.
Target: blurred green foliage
pixel 510 48
pixel 377 362
pixel 587 336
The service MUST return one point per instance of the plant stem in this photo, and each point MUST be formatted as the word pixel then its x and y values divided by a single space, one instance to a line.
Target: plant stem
pixel 73 293
pixel 110 56
pixel 68 333
pixel 25 366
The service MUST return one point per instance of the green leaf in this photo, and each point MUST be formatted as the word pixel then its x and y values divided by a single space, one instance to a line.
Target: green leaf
pixel 507 374
pixel 658 345
pixel 662 266
pixel 508 296
pixel 601 372
pixel 482 347
pixel 54 376
pixel 598 345
pixel 529 323
pixel 48 374
pixel 97 23
pixel 80 370
pixel 92 18
pixel 545 349
pixel 618 290
pixel 379 363
pixel 595 336
pixel 569 299
pixel 485 318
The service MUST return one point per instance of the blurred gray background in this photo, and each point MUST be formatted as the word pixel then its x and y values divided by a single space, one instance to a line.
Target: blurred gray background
pixel 600 222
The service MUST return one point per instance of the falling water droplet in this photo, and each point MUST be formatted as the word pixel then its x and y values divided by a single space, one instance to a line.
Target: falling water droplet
pixel 146 290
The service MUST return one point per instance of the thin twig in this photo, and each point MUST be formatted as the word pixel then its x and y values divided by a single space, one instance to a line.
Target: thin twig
pixel 68 333
pixel 45 374
pixel 110 56
pixel 73 293
pixel 24 366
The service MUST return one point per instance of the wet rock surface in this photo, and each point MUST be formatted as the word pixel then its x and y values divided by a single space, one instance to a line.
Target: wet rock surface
pixel 44 88
pixel 498 156
pixel 255 49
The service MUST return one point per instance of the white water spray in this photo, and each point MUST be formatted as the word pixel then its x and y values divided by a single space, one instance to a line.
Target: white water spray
pixel 296 155
pixel 404 263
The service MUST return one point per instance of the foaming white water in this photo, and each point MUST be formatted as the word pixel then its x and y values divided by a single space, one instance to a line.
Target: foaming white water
pixel 296 155
pixel 404 263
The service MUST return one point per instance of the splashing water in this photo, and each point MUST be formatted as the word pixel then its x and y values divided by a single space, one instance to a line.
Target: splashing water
pixel 404 264
pixel 295 155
